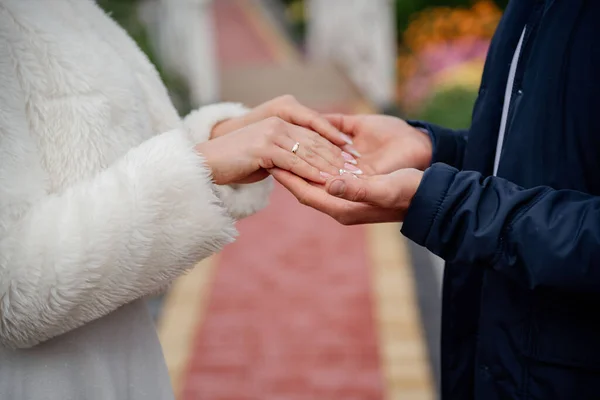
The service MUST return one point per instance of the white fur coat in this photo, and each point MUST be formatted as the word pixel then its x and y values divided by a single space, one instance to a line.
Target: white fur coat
pixel 102 197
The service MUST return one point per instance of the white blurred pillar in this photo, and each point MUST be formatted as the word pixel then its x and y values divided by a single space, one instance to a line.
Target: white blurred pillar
pixel 359 35
pixel 185 35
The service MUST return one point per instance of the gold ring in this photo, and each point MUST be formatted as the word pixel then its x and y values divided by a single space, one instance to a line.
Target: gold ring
pixel 295 148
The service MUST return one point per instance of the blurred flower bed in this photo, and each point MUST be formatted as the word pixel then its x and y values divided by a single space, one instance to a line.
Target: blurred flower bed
pixel 440 61
pixel 442 45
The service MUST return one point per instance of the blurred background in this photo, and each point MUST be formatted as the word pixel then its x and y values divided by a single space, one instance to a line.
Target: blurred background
pixel 300 307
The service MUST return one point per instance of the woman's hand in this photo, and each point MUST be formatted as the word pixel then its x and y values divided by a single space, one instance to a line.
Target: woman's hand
pixel 244 156
pixel 290 110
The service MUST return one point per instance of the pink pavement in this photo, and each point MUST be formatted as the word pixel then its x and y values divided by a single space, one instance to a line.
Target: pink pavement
pixel 290 311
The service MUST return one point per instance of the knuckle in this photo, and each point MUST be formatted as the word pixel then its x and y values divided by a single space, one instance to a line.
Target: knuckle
pixel 309 154
pixel 294 160
pixel 320 146
pixel 266 163
pixel 316 143
pixel 275 127
pixel 285 106
pixel 274 122
pixel 303 198
pixel 342 219
pixel 287 99
pixel 360 195
pixel 343 215
pixel 267 140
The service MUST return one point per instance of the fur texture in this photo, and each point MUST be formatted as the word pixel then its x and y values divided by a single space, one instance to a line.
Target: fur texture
pixel 102 197
pixel 240 200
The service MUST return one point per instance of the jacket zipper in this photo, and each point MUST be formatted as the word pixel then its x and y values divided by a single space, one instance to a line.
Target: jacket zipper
pixel 531 29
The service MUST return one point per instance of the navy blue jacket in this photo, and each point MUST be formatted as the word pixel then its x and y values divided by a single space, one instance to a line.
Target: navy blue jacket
pixel 522 250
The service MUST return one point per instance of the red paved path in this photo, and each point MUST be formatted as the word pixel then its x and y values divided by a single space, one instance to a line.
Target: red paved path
pixel 290 314
pixel 238 43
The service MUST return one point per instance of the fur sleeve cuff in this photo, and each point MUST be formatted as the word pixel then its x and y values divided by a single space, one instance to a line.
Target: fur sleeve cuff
pixel 201 122
pixel 240 200
pixel 244 200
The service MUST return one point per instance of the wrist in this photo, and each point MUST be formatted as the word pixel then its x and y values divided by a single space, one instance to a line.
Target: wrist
pixel 416 176
pixel 426 154
pixel 409 180
pixel 425 205
pixel 399 189
pixel 207 155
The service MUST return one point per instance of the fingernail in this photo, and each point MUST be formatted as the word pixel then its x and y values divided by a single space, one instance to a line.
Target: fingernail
pixel 325 175
pixel 337 188
pixel 352 151
pixel 346 138
pixel 353 169
pixel 349 159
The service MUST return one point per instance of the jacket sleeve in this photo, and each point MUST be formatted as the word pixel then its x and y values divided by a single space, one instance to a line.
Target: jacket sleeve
pixel 540 237
pixel 72 256
pixel 241 200
pixel 448 145
pixel 127 233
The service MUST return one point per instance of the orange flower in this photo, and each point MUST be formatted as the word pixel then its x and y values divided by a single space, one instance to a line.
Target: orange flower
pixel 437 25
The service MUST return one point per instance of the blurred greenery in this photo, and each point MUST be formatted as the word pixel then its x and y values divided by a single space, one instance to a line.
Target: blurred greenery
pixel 125 13
pixel 296 20
pixel 450 107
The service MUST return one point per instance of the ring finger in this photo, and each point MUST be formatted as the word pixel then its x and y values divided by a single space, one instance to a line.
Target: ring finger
pixel 305 151
pixel 321 146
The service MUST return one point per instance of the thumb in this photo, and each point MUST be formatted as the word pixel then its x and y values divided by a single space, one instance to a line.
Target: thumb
pixel 374 190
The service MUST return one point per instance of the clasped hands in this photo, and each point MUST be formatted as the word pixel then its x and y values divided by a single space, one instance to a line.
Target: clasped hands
pixel 356 168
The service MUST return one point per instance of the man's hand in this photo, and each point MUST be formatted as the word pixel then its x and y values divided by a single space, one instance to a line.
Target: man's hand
pixel 351 200
pixel 385 143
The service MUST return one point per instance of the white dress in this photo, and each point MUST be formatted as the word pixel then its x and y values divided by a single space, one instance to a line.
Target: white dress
pixel 102 201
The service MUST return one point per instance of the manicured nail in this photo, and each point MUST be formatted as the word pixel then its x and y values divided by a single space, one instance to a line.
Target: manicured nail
pixel 351 168
pixel 352 151
pixel 337 188
pixel 325 175
pixel 349 159
pixel 346 138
